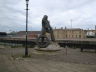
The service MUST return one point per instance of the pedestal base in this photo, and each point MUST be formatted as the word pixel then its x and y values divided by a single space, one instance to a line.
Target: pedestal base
pixel 51 48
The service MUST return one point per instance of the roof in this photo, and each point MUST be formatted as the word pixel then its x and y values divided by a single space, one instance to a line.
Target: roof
pixel 69 29
pixel 29 32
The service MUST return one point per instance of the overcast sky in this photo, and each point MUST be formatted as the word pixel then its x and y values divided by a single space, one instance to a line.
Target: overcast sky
pixel 60 13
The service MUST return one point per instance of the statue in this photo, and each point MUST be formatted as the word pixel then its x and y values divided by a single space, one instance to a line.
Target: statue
pixel 46 28
pixel 42 40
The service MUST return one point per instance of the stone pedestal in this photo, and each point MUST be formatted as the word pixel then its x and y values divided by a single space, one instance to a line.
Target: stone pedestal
pixel 52 47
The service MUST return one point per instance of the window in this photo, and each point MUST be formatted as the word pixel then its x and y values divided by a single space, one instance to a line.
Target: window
pixel 79 36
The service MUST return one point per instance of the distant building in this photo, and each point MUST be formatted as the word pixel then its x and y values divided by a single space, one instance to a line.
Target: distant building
pixel 90 33
pixel 3 34
pixel 69 33
pixel 63 33
pixel 73 33
pixel 31 34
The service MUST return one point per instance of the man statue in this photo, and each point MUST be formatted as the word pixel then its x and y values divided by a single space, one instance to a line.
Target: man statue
pixel 46 28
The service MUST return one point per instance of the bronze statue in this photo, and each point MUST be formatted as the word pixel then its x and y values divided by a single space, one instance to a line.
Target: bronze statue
pixel 42 40
pixel 46 28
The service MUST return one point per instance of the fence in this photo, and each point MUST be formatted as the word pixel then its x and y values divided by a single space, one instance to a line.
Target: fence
pixel 16 43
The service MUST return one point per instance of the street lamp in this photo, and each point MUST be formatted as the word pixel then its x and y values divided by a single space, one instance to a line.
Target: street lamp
pixel 26 48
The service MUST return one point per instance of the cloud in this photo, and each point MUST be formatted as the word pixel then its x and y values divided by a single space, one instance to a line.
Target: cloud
pixel 60 12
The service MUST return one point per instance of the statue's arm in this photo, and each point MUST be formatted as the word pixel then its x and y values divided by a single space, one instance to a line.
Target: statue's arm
pixel 43 23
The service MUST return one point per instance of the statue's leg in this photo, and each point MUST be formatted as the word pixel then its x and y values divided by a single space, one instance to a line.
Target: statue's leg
pixel 52 35
pixel 43 33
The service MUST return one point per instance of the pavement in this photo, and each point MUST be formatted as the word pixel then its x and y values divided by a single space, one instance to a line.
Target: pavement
pixel 11 60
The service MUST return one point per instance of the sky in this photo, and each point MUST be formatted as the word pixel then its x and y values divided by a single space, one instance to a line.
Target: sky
pixel 60 13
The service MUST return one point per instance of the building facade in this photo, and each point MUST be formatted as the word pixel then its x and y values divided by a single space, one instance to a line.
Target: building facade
pixel 31 34
pixel 74 33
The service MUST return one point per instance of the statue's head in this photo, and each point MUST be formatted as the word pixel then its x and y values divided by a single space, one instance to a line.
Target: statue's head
pixel 45 17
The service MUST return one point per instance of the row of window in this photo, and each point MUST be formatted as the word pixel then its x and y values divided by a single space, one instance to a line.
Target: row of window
pixel 73 36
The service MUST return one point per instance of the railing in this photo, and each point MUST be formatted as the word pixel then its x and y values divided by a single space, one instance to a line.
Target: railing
pixel 16 42
pixel 73 43
pixel 82 44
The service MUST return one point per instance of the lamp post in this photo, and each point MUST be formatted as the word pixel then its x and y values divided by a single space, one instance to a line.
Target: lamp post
pixel 26 48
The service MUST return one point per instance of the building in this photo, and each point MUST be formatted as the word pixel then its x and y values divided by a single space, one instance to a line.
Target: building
pixel 90 33
pixel 31 34
pixel 73 33
pixel 3 34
